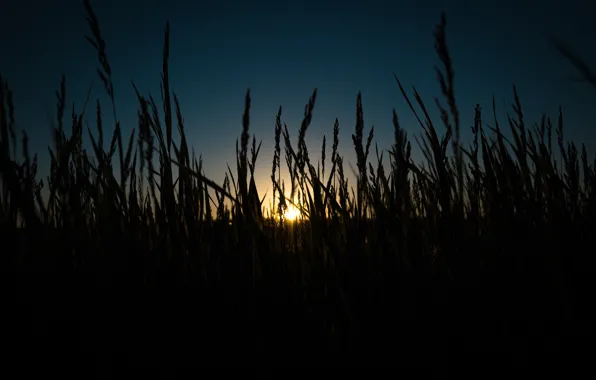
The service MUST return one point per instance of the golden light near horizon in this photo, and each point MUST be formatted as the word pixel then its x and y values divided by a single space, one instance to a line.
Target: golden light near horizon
pixel 292 213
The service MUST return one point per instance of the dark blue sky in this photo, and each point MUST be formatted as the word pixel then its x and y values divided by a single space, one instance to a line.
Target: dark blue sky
pixel 282 50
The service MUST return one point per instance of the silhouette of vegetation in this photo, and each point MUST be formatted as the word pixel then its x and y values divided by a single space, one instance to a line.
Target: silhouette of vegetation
pixel 136 259
pixel 575 60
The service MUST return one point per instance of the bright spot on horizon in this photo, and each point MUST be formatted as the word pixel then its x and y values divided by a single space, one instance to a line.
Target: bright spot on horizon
pixel 292 213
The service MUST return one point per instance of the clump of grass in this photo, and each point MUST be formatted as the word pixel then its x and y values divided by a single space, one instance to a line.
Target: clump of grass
pixel 486 241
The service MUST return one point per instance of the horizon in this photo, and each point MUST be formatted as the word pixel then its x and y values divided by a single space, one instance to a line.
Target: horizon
pixel 229 52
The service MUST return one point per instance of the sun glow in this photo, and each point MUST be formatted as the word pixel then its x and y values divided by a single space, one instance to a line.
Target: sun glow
pixel 292 213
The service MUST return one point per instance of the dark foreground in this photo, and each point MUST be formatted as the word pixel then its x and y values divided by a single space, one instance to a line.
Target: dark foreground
pixel 60 322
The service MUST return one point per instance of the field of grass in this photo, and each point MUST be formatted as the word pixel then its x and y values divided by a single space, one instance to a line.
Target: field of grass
pixel 484 251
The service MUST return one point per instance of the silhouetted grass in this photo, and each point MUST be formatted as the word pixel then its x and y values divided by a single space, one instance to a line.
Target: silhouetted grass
pixel 484 253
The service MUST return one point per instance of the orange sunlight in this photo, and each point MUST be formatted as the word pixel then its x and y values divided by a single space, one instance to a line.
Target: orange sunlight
pixel 292 213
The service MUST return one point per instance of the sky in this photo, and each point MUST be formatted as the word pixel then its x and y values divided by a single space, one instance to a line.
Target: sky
pixel 283 50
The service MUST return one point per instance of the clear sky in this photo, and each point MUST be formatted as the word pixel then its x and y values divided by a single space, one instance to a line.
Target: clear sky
pixel 282 50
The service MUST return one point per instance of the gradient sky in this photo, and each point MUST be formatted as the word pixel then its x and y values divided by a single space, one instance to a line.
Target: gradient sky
pixel 282 50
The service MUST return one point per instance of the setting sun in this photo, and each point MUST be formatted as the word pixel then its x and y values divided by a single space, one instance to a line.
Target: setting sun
pixel 292 213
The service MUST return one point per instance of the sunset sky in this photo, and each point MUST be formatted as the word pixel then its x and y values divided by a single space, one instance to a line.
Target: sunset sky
pixel 282 50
